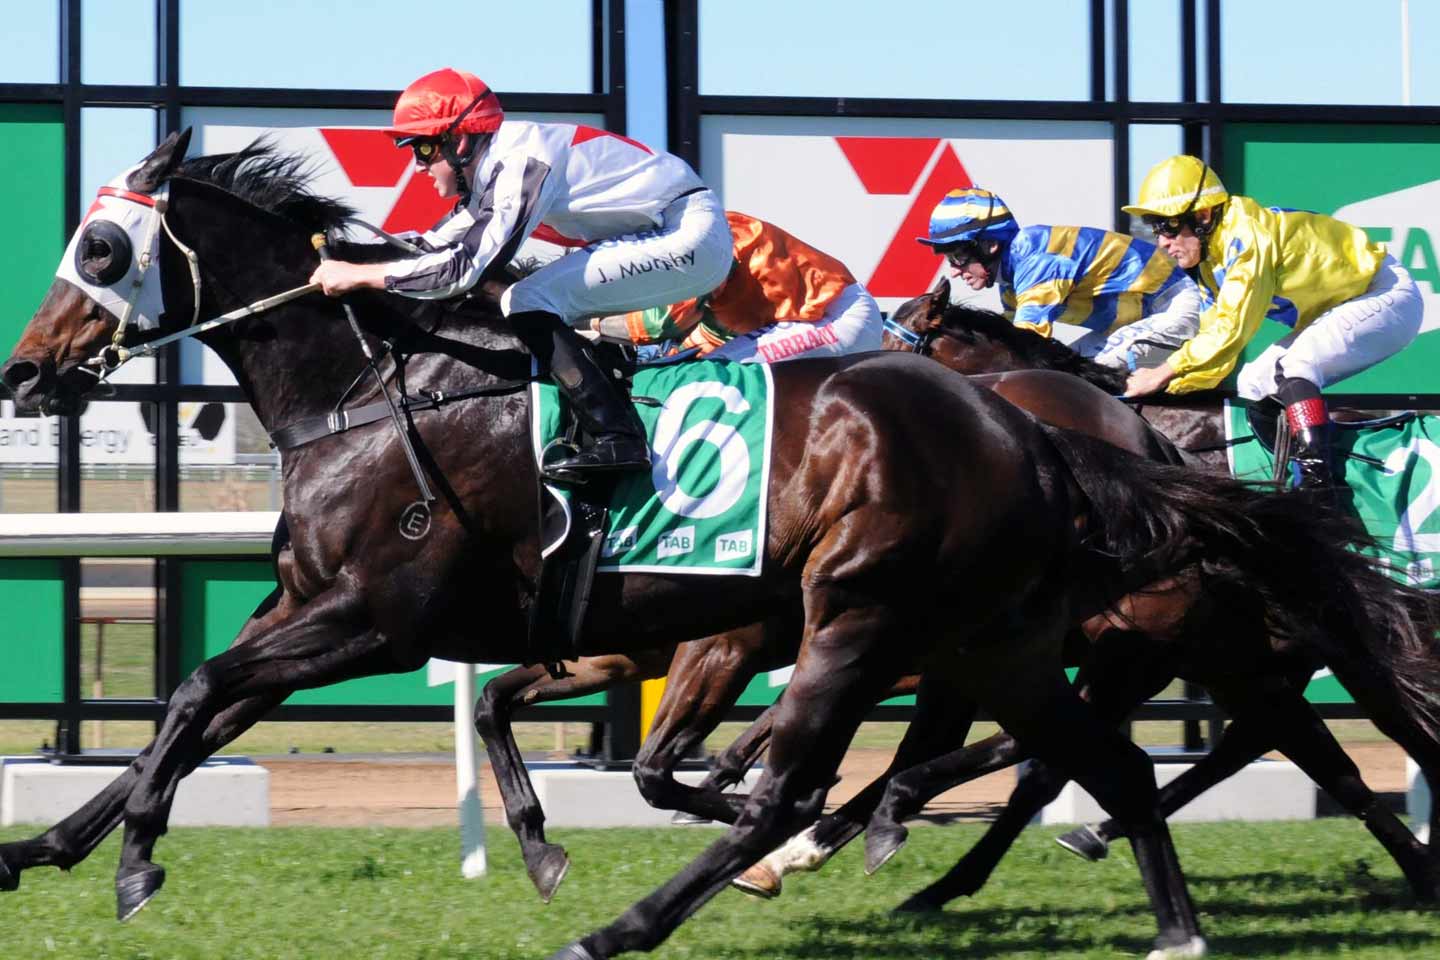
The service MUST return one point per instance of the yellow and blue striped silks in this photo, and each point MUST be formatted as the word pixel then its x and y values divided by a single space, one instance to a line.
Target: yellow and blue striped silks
pixel 1093 278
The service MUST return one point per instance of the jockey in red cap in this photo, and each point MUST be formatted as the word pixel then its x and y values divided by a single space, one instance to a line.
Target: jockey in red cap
pixel 646 228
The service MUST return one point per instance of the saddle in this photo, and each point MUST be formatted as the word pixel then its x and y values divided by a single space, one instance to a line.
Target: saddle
pixel 572 532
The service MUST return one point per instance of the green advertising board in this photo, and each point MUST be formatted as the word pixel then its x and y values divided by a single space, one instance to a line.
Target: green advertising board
pixel 34 165
pixel 34 601
pixel 1384 179
pixel 216 598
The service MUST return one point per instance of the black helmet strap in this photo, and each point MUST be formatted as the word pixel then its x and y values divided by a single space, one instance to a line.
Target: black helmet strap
pixel 449 148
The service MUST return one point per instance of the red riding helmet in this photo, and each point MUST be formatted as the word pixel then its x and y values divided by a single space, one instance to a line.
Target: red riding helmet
pixel 445 102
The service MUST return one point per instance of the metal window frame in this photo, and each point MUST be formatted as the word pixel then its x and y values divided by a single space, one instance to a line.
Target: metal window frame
pixel 1203 130
pixel 1202 121
pixel 167 96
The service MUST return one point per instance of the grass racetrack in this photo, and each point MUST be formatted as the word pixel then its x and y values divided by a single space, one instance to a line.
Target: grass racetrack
pixel 1313 889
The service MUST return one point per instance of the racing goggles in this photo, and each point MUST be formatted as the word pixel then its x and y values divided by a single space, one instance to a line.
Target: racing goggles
pixel 964 253
pixel 426 149
pixel 1171 227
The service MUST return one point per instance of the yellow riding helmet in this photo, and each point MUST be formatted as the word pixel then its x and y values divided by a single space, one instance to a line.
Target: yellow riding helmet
pixel 1177 186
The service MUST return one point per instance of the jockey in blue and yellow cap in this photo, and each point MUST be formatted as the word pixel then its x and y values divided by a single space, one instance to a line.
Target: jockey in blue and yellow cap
pixel 1128 296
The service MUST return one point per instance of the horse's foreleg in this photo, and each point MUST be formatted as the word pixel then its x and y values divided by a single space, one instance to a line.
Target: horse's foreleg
pixel 840 675
pixel 546 863
pixel 943 717
pixel 1073 740
pixel 1239 745
pixel 731 764
pixel 325 641
pixel 706 678
pixel 76 837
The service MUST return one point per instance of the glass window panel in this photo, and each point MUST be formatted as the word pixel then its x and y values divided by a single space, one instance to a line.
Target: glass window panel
pixel 226 462
pixel 1156 60
pixel 117 457
pixel 111 141
pixel 1109 51
pixel 869 51
pixel 117 630
pixel 1149 144
pixel 541 46
pixel 1424 66
pixel 35 213
pixel 27 463
pixel 32 43
pixel 1312 51
pixel 118 40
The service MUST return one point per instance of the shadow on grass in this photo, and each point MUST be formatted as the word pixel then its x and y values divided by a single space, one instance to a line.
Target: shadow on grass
pixel 1348 896
pixel 1022 931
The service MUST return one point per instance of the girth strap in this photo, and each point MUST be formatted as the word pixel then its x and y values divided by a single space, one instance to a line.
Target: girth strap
pixel 311 429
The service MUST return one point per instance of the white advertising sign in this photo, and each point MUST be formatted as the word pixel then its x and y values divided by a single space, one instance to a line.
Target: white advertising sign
pixel 1412 217
pixel 119 433
pixel 862 189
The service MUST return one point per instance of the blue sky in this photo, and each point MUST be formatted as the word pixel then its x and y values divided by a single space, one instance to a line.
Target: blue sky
pixel 1276 51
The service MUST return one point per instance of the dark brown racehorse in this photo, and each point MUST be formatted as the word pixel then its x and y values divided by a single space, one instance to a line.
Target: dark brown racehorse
pixel 706 677
pixel 971 341
pixel 1029 520
pixel 1267 707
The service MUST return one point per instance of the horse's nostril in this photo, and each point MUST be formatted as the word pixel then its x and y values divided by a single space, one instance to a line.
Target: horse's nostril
pixel 19 373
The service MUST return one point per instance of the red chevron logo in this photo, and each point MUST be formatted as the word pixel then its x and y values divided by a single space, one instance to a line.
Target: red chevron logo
pixel 894 165
pixel 369 159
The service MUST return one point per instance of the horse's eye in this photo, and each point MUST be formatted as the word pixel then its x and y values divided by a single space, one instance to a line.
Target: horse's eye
pixel 103 255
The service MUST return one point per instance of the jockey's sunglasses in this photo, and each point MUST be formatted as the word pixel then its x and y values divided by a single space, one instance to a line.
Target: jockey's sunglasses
pixel 963 254
pixel 426 150
pixel 1169 227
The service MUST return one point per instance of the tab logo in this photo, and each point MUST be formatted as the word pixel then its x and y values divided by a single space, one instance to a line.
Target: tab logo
pixel 677 542
pixel 619 541
pixel 734 546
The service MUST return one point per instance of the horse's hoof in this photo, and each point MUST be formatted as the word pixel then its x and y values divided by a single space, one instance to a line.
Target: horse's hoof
pixel 1085 842
pixel 9 879
pixel 549 870
pixel 919 903
pixel 759 881
pixel 882 843
pixel 685 818
pixel 575 951
pixel 132 892
pixel 1194 947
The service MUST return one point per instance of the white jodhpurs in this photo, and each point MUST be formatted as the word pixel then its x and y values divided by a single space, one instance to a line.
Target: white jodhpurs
pixel 852 324
pixel 688 255
pixel 1345 339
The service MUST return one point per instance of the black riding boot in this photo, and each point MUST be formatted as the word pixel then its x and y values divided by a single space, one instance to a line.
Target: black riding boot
pixel 1312 457
pixel 1310 430
pixel 615 436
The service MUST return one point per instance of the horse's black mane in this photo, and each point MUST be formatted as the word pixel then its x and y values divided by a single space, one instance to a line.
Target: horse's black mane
pixel 1040 352
pixel 278 182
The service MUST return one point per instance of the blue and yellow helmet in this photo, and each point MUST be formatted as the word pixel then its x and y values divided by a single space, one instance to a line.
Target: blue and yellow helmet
pixel 970 213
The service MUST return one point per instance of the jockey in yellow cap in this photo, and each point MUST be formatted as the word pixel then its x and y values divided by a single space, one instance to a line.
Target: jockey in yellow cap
pixel 1347 302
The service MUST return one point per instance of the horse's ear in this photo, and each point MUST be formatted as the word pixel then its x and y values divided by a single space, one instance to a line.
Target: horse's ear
pixel 160 164
pixel 939 298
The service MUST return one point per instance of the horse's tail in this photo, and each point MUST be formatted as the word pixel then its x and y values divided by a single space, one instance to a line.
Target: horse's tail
pixel 1295 552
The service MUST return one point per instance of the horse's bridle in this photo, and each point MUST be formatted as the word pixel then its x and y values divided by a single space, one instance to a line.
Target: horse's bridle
pixel 921 343
pixel 116 354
